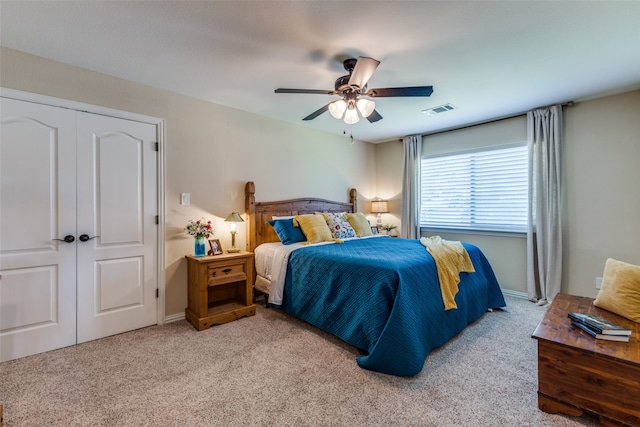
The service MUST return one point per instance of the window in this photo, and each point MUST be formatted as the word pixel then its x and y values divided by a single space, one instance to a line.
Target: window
pixel 484 190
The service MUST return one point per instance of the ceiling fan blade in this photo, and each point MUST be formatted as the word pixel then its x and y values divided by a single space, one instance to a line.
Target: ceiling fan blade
pixel 317 112
pixel 400 91
pixel 374 117
pixel 319 92
pixel 363 71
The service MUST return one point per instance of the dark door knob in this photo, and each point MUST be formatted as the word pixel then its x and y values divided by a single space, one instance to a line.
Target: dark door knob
pixel 86 238
pixel 68 238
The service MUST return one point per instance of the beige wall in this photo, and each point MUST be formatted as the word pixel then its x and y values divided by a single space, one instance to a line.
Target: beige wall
pixel 602 194
pixel 210 152
pixel 388 184
pixel 603 188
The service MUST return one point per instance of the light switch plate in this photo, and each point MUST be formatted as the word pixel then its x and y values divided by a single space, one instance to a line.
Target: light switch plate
pixel 185 198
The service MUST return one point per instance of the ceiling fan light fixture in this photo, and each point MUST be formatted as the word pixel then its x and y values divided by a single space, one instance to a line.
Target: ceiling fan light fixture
pixel 353 85
pixel 351 116
pixel 366 107
pixel 337 108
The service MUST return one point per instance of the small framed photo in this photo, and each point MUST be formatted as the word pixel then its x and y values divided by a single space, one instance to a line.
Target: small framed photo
pixel 374 230
pixel 216 247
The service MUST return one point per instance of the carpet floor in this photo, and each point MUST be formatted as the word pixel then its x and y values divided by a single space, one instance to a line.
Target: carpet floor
pixel 272 369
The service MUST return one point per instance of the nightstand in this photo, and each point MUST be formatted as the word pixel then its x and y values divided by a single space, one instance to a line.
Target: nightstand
pixel 220 289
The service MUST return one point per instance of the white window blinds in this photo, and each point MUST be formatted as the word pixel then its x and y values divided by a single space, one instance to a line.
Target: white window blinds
pixel 484 190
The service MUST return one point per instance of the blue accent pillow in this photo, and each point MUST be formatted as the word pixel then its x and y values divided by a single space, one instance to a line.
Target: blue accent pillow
pixel 286 231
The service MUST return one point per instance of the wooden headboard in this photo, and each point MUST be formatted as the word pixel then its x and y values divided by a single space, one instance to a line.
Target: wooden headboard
pixel 258 231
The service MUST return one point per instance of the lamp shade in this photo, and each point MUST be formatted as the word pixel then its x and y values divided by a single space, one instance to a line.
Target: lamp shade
pixel 366 107
pixel 337 108
pixel 351 116
pixel 379 206
pixel 234 217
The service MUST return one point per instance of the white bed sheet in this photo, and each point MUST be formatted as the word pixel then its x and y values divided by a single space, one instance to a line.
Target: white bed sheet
pixel 262 284
pixel 271 264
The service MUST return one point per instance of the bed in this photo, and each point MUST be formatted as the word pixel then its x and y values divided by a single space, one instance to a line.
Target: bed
pixel 378 294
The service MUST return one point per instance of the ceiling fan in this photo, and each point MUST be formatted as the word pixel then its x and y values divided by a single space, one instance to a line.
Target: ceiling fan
pixel 354 85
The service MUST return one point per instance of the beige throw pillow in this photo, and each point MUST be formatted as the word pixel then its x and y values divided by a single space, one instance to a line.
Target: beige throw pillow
pixel 620 290
pixel 314 228
pixel 360 224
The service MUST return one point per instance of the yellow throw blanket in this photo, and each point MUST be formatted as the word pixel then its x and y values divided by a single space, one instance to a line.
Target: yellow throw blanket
pixel 451 259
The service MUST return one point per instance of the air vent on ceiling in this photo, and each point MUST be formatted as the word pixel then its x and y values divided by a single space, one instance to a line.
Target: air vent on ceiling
pixel 439 109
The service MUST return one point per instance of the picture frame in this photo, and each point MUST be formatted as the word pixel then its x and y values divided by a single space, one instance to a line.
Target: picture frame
pixel 216 247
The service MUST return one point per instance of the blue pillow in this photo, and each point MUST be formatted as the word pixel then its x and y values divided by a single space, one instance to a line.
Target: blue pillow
pixel 286 232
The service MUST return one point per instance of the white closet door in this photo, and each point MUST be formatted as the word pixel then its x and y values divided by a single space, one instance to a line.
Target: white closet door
pixel 37 205
pixel 117 208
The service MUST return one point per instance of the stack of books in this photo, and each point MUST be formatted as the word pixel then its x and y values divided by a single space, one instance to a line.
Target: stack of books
pixel 600 328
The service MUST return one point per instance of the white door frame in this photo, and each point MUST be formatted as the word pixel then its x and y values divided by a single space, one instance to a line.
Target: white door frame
pixel 159 123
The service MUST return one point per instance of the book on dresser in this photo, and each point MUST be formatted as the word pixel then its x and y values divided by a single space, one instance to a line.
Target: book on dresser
pixel 599 324
pixel 596 335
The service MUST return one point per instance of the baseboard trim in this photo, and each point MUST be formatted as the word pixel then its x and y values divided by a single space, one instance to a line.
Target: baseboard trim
pixel 180 316
pixel 515 294
pixel 174 318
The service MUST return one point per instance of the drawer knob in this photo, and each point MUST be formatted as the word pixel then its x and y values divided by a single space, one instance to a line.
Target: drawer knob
pixel 227 270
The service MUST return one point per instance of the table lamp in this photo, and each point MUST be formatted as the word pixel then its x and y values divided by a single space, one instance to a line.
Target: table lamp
pixel 379 207
pixel 233 218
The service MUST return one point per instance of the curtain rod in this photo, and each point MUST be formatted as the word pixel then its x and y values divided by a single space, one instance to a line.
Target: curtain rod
pixel 497 119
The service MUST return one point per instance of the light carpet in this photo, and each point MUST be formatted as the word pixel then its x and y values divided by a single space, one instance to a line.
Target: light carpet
pixel 271 369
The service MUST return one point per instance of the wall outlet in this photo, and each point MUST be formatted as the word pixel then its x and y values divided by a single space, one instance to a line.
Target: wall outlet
pixel 598 282
pixel 185 198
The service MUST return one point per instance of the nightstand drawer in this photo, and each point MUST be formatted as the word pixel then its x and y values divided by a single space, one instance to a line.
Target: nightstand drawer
pixel 231 272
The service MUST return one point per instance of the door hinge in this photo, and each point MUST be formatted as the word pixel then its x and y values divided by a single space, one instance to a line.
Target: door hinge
pixel 157 219
pixel 157 146
pixel 157 293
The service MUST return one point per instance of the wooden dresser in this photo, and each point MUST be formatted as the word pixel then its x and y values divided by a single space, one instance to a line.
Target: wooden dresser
pixel 578 373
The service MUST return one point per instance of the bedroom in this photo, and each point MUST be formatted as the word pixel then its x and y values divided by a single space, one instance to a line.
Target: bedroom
pixel 229 147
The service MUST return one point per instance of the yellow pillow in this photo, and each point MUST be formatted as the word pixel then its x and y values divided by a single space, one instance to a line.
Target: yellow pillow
pixel 620 290
pixel 314 228
pixel 359 223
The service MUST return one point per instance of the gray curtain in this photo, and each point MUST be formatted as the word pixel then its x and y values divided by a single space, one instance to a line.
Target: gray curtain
pixel 544 235
pixel 411 187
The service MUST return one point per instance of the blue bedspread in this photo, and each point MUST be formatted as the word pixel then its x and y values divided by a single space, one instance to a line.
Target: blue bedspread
pixel 382 295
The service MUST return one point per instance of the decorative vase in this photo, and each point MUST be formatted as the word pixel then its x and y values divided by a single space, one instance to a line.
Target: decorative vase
pixel 199 249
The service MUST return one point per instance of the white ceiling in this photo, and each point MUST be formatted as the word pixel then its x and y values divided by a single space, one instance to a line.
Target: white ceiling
pixel 488 59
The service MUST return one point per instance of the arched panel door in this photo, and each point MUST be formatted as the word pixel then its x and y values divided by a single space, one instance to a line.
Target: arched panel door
pixel 37 212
